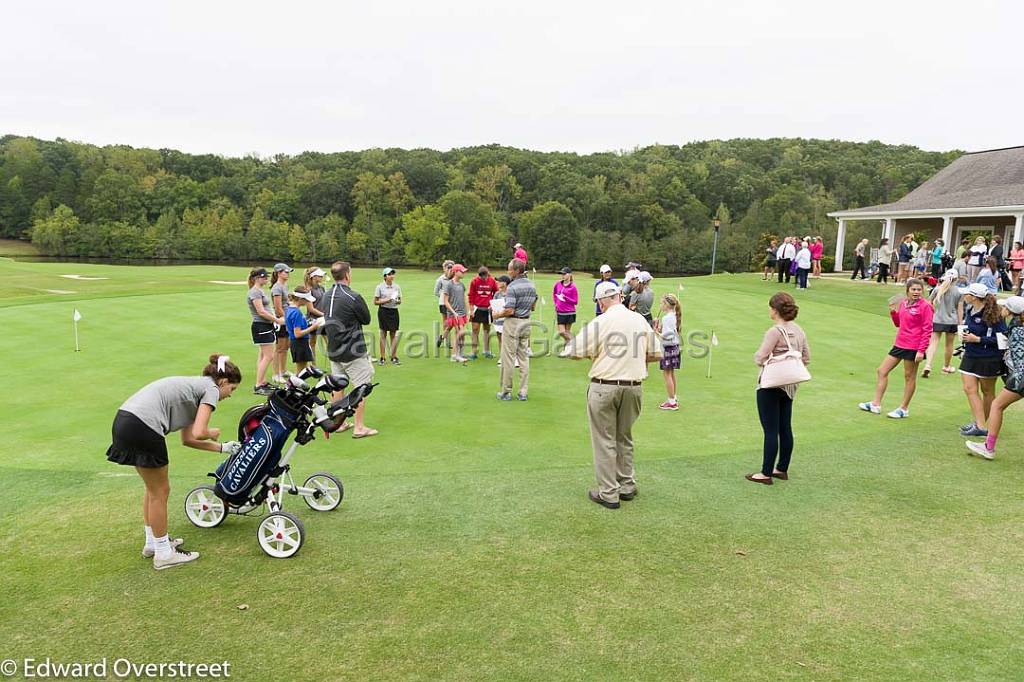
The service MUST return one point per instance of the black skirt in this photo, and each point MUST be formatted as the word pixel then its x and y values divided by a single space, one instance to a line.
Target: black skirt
pixel 301 349
pixel 387 319
pixel 903 353
pixel 482 315
pixel 135 444
pixel 983 368
pixel 566 318
pixel 943 328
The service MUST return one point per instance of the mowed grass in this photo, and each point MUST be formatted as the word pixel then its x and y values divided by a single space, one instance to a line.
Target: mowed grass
pixel 465 548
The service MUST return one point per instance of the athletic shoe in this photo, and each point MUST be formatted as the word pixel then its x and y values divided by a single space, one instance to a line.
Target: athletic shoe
pixel 471 356
pixel 504 396
pixel 395 361
pixel 980 450
pixel 488 355
pixel 975 430
pixel 440 340
pixel 966 427
pixel 669 405
pixel 148 552
pixel 380 362
pixel 277 379
pixel 899 413
pixel 459 358
pixel 868 407
pixel 597 499
pixel 926 373
pixel 263 389
pixel 522 397
pixel 175 559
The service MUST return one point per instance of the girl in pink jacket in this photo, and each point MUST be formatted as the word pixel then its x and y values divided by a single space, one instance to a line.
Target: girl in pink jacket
pixel 913 316
pixel 566 297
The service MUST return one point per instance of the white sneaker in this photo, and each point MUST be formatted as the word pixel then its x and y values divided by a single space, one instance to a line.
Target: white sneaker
pixel 149 552
pixel 175 559
pixel 980 450
pixel 868 407
pixel 899 413
pixel 277 379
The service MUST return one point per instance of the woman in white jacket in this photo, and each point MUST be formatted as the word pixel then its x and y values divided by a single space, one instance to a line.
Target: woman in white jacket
pixel 803 265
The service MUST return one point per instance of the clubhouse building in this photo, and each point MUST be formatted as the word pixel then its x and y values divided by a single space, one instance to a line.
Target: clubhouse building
pixel 979 192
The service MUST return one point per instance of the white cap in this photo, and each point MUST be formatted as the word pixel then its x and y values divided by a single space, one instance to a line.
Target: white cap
pixel 646 276
pixel 518 245
pixel 606 289
pixel 306 296
pixel 977 289
pixel 1015 304
pixel 606 268
pixel 951 274
pixel 632 274
pixel 317 273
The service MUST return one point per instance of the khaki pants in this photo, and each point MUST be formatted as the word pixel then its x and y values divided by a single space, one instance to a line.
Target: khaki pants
pixel 612 411
pixel 515 339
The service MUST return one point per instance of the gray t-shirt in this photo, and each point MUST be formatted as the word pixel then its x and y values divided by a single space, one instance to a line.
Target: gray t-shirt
pixel 384 291
pixel 520 296
pixel 945 306
pixel 439 287
pixel 456 296
pixel 170 404
pixel 643 300
pixel 318 297
pixel 254 294
pixel 279 289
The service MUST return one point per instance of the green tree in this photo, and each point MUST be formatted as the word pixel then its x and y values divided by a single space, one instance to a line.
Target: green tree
pixel 57 234
pixel 426 234
pixel 474 237
pixel 552 233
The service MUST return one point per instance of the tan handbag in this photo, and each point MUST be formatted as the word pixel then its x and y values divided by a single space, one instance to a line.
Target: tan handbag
pixel 785 369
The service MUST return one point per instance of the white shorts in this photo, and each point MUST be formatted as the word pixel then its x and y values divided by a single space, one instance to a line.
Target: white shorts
pixel 358 371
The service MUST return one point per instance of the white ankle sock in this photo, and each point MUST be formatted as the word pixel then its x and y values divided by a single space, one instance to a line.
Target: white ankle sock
pixel 162 547
pixel 149 537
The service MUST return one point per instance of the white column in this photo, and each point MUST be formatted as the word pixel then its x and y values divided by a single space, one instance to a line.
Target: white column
pixel 947 233
pixel 840 245
pixel 890 230
pixel 1018 227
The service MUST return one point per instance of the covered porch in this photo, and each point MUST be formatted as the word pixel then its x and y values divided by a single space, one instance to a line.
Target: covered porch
pixel 950 225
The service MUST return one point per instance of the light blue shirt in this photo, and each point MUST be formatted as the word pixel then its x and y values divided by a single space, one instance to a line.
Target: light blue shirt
pixel 988 278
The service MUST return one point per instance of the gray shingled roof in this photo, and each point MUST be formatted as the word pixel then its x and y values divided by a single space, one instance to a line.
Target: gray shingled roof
pixel 990 178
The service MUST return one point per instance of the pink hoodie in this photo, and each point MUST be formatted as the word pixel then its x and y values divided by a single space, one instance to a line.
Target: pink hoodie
pixel 572 297
pixel 915 324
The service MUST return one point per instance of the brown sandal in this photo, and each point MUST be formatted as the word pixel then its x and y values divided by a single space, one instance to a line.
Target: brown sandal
pixel 765 481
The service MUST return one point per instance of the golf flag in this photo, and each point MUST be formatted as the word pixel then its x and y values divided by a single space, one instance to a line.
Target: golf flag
pixel 680 287
pixel 714 342
pixel 75 317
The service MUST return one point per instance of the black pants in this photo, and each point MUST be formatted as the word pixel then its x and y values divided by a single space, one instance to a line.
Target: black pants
pixel 775 409
pixel 801 277
pixel 883 272
pixel 784 269
pixel 859 267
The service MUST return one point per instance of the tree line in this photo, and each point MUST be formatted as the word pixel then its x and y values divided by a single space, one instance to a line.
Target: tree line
pixel 653 204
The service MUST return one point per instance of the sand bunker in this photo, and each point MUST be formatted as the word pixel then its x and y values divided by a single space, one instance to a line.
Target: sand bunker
pixel 220 281
pixel 83 277
pixel 58 291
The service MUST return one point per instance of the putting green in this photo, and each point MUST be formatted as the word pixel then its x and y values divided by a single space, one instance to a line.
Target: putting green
pixel 466 549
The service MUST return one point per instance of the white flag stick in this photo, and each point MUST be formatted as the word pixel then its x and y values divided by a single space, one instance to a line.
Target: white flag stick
pixel 74 322
pixel 710 346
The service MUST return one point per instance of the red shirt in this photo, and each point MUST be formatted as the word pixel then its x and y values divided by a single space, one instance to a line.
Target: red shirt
pixel 481 291
pixel 521 254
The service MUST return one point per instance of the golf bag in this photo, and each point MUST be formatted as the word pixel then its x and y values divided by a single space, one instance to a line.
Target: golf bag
pixel 268 426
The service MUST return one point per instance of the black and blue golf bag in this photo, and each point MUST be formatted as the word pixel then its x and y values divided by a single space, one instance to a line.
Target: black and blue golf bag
pixel 263 430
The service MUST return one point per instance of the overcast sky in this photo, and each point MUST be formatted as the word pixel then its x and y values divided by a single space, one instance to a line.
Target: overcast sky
pixel 240 77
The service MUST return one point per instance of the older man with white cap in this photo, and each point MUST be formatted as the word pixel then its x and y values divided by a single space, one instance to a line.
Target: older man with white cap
pixel 606 276
pixel 621 344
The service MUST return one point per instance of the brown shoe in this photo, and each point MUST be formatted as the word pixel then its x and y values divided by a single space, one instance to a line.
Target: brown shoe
pixel 626 497
pixel 781 475
pixel 765 481
pixel 596 498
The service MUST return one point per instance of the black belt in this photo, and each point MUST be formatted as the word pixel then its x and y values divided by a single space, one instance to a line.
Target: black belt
pixel 614 382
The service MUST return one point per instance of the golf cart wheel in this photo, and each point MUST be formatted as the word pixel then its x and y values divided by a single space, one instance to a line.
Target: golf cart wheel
pixel 332 492
pixel 280 534
pixel 203 508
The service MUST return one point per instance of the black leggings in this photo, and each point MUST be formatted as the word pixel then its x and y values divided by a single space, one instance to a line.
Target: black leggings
pixel 859 267
pixel 883 272
pixel 775 409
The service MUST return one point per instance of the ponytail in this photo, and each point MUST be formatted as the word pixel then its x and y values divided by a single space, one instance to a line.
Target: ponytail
pixel 273 278
pixel 221 367
pixel 991 313
pixel 677 309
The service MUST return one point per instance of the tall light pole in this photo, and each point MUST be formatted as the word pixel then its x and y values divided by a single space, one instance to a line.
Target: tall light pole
pixel 714 248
